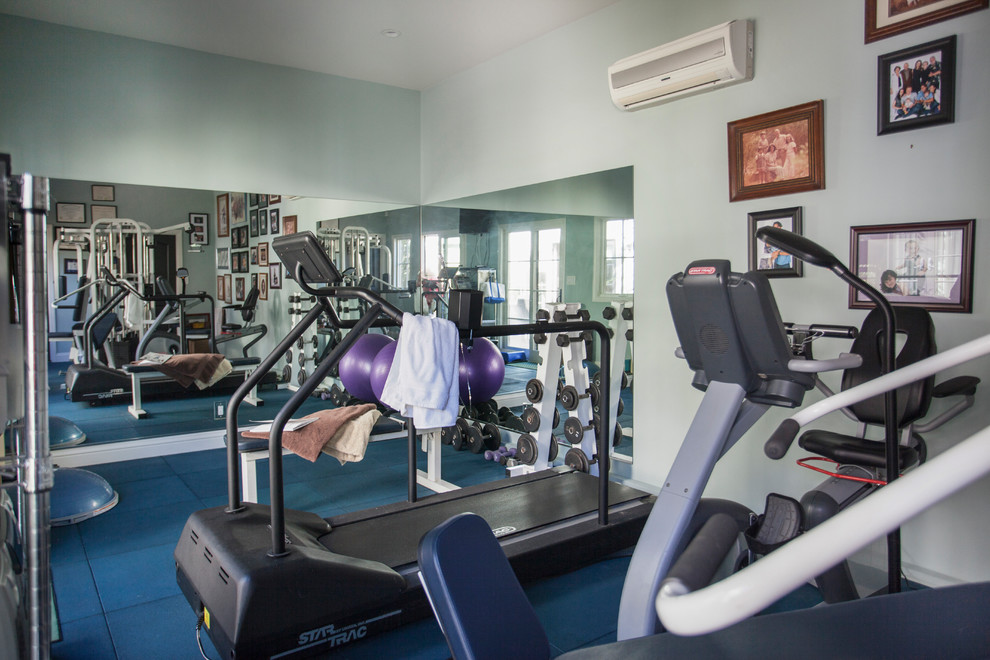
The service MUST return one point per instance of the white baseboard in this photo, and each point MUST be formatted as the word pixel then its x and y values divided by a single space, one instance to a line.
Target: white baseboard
pixel 113 452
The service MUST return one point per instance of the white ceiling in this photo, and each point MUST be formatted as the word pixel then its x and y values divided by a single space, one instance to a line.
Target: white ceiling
pixel 439 38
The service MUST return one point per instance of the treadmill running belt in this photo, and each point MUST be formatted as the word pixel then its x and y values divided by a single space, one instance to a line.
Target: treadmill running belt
pixel 393 539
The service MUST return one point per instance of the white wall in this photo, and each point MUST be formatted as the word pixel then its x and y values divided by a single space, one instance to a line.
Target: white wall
pixel 82 105
pixel 543 112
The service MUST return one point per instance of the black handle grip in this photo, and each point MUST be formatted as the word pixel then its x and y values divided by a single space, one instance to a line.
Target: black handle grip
pixel 706 552
pixel 781 440
pixel 799 246
pixel 824 330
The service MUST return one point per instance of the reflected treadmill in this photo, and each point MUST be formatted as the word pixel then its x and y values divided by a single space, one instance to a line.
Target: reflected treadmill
pixel 270 582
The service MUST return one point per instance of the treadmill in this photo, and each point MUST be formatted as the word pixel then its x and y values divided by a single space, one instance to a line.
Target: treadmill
pixel 271 582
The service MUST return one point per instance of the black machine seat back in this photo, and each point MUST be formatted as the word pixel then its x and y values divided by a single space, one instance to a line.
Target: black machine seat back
pixel 82 300
pixel 166 290
pixel 915 327
pixel 730 331
pixel 250 303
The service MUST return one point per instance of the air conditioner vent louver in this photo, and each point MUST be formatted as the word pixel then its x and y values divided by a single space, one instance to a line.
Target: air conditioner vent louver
pixel 719 56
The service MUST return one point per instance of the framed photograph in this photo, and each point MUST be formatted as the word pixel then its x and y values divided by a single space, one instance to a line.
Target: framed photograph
pixel 274 199
pixel 765 258
pixel 923 264
pixel 254 256
pixel 223 258
pixel 245 262
pixel 254 280
pixel 221 293
pixel 102 212
pixel 223 216
pixel 274 223
pixel 777 153
pixel 228 290
pixel 885 18
pixel 200 225
pixel 289 224
pixel 916 86
pixel 252 199
pixel 262 201
pixel 238 208
pixel 262 254
pixel 239 289
pixel 263 286
pixel 70 214
pixel 102 193
pixel 253 223
pixel 272 219
pixel 71 267
pixel 275 275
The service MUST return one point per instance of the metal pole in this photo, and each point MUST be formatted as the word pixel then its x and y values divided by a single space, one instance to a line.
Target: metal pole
pixel 36 473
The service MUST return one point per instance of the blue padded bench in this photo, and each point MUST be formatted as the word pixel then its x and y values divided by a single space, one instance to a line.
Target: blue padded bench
pixel 513 354
pixel 144 373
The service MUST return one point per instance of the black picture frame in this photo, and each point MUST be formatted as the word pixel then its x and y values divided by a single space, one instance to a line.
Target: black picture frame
pixel 937 60
pixel 253 222
pixel 199 223
pixel 767 259
pixel 931 264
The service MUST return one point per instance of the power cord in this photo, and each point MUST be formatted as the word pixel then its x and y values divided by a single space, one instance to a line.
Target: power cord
pixel 199 640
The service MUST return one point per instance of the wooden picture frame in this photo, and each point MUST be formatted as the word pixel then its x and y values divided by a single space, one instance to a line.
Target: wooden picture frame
pixel 919 95
pixel 756 166
pixel 228 290
pixel 289 225
pixel 920 264
pixel 221 292
pixel 238 208
pixel 274 199
pixel 102 193
pixel 262 254
pixel 262 286
pixel 239 289
pixel 885 18
pixel 200 225
pixel 223 258
pixel 275 275
pixel 254 255
pixel 223 216
pixel 765 258
pixel 70 213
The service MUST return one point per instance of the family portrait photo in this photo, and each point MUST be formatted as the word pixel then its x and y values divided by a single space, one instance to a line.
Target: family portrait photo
pixel 769 260
pixel 916 86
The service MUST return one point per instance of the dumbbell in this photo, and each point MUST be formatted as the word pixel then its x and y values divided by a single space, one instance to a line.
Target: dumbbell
pixel 500 455
pixel 531 419
pixel 542 316
pixel 534 390
pixel 576 459
pixel 560 316
pixel 574 429
pixel 456 435
pixel 483 437
pixel 570 397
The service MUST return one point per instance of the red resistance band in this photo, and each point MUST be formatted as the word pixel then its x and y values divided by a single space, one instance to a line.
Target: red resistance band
pixel 803 462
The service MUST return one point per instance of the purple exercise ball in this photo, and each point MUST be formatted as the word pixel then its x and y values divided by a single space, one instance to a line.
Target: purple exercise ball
pixel 355 367
pixel 380 367
pixel 481 371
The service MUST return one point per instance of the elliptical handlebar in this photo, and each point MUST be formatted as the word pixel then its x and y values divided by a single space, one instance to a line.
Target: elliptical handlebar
pixel 799 246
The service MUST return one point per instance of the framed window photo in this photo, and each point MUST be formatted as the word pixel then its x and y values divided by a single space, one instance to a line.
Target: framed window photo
pixel 102 193
pixel 228 290
pixel 223 258
pixel 102 212
pixel 263 286
pixel 916 87
pixel 885 18
pixel 275 275
pixel 200 225
pixel 922 264
pixel 262 254
pixel 777 153
pixel 253 223
pixel 70 214
pixel 289 224
pixel 223 216
pixel 767 259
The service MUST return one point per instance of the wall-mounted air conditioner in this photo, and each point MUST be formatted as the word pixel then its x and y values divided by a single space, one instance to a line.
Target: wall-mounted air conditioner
pixel 718 56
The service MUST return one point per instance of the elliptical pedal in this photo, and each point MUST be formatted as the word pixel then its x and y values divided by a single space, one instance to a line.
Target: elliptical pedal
pixel 780 522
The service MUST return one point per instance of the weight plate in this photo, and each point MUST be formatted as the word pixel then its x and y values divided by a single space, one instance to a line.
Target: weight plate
pixel 299 343
pixel 447 434
pixel 534 390
pixel 526 449
pixel 462 424
pixel 513 424
pixel 619 409
pixel 569 397
pixel 504 413
pixel 576 460
pixel 584 314
pixel 487 405
pixel 315 341
pixel 286 374
pixel 554 448
pixel 596 380
pixel 458 439
pixel 531 419
pixel 595 394
pixel 288 356
pixel 625 380
pixel 573 430
pixel 302 359
pixel 617 436
pixel 301 376
pixel 556 418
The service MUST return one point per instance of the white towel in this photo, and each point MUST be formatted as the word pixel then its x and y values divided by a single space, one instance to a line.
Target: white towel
pixel 422 383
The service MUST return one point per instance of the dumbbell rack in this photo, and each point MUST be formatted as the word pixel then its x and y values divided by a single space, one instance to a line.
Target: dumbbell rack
pixel 552 349
pixel 297 359
pixel 620 324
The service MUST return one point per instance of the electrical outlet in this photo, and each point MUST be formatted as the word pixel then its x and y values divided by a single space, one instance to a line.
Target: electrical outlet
pixel 219 409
